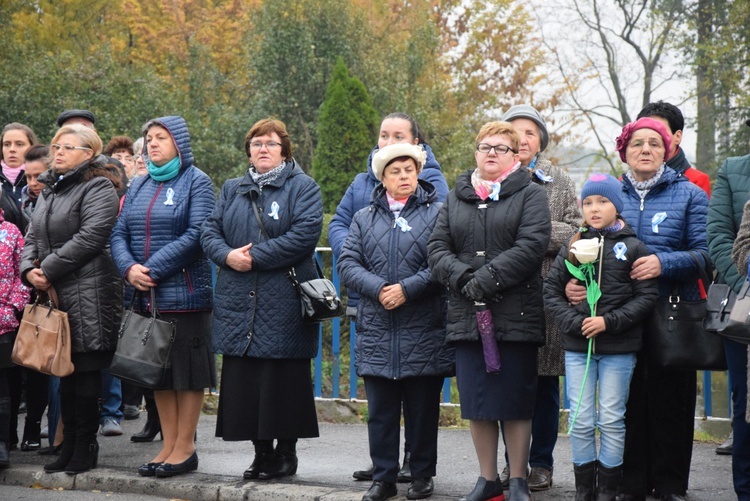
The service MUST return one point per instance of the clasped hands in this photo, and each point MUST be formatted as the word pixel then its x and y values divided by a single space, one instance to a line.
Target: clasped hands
pixel 392 296
pixel 138 277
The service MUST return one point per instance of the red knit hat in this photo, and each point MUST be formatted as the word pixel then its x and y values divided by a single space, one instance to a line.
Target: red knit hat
pixel 643 123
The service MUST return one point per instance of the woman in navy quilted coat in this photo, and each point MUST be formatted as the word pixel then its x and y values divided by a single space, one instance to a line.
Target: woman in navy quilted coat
pixel 400 350
pixel 156 244
pixel 266 383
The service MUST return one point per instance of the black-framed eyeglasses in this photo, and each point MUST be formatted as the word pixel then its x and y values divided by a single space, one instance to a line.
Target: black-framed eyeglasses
pixel 500 149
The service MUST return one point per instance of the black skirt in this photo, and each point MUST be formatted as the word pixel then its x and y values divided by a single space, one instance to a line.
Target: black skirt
pixel 507 396
pixel 193 362
pixel 265 399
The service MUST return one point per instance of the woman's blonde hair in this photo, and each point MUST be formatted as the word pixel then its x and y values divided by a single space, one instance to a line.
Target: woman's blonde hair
pixel 88 137
pixel 500 129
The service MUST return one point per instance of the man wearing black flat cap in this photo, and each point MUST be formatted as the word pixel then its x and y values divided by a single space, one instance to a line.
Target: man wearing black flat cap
pixel 83 117
pixel 728 198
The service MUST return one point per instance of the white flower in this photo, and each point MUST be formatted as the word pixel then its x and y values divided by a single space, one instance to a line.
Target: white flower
pixel 586 250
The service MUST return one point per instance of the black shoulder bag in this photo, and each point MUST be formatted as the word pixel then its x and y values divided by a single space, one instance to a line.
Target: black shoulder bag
pixel 318 296
pixel 676 337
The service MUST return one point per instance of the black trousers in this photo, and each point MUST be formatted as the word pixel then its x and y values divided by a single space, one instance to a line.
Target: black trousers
pixel 420 397
pixel 659 425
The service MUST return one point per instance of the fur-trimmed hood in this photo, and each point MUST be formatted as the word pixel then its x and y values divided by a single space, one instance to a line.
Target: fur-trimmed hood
pixel 83 173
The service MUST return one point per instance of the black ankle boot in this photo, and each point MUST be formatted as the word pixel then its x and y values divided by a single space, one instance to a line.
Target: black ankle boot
pixel 585 481
pixel 283 462
pixel 263 454
pixel 149 431
pixel 404 474
pixel 486 490
pixel 607 482
pixel 86 451
pixel 4 432
pixel 67 412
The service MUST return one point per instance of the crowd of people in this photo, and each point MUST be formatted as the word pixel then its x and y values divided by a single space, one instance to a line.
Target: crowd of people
pixel 506 281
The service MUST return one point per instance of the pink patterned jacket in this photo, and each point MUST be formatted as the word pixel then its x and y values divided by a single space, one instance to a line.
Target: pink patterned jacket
pixel 13 294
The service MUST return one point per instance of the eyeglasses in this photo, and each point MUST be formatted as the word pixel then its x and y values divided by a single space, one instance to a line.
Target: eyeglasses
pixel 500 149
pixel 67 147
pixel 256 145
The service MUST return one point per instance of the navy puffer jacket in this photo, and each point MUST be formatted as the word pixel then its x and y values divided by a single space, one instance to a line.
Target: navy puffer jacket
pixel 358 196
pixel 159 227
pixel 502 243
pixel 683 229
pixel 410 340
pixel 258 313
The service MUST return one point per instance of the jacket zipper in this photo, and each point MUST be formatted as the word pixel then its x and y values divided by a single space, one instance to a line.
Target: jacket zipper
pixel 148 221
pixel 187 280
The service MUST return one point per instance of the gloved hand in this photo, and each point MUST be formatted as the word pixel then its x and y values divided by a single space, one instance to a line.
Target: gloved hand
pixel 473 291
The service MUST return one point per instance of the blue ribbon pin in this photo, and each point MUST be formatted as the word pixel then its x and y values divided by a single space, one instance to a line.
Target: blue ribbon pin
pixel 170 196
pixel 495 194
pixel 3 235
pixel 403 224
pixel 274 211
pixel 658 218
pixel 542 176
pixel 620 249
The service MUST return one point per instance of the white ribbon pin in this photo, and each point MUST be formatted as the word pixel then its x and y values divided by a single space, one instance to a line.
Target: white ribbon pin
pixel 403 224
pixel 170 197
pixel 620 249
pixel 274 211
pixel 3 235
pixel 495 195
pixel 658 218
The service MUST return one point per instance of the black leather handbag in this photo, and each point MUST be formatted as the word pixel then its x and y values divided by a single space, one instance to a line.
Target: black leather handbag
pixel 719 305
pixel 318 296
pixel 738 326
pixel 676 338
pixel 143 346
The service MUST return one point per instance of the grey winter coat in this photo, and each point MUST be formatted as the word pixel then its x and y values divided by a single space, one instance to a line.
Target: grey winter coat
pixel 500 243
pixel 69 236
pixel 410 340
pixel 258 313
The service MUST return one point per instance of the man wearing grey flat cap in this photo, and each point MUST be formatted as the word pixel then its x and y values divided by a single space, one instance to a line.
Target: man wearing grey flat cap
pixel 566 218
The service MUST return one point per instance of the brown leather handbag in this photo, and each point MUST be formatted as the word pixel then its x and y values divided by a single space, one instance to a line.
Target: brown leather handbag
pixel 43 340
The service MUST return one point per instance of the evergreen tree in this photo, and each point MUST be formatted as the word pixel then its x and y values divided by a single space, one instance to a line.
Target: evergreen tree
pixel 347 126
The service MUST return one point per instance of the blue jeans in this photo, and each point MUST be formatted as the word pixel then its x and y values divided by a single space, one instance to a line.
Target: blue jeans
pixel 612 374
pixel 111 397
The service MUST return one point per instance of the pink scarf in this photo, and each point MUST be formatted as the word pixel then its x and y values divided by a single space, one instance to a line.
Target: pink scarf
pixel 485 189
pixel 12 173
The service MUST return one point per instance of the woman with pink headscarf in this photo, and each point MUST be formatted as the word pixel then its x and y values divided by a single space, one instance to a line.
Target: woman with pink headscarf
pixel 668 214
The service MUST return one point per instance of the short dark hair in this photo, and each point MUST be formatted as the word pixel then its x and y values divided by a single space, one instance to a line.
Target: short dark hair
pixel 38 152
pixel 667 111
pixel 118 143
pixel 268 126
pixel 415 130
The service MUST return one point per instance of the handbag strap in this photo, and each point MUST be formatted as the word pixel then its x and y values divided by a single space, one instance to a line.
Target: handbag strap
pixel 702 271
pixel 291 274
pixel 139 294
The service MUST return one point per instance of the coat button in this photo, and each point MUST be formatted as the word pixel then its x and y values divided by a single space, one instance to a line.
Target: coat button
pixel 251 293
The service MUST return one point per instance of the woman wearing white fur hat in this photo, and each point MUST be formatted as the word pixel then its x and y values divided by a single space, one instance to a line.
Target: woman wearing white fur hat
pixel 400 351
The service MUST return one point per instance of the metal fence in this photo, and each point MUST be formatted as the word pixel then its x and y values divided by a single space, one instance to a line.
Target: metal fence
pixel 344 327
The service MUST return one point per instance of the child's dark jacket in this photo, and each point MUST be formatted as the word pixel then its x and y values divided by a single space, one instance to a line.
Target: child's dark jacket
pixel 624 303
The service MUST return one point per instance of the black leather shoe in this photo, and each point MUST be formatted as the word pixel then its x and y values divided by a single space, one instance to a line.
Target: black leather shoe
pixel 148 469
pixel 486 491
pixel 363 474
pixel 30 445
pixel 171 470
pixel 149 431
pixel 404 474
pixel 278 465
pixel 725 449
pixel 540 479
pixel 420 488
pixel 380 491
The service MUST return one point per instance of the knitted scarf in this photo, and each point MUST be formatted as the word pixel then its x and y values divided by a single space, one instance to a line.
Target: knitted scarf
pixel 642 187
pixel 164 172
